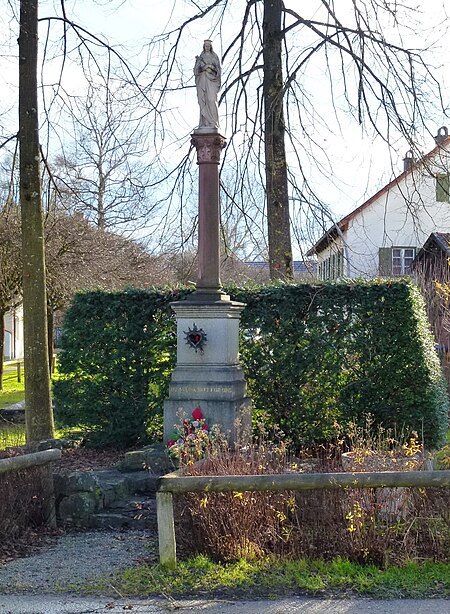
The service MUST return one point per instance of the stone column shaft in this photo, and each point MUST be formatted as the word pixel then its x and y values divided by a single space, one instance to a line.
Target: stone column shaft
pixel 209 147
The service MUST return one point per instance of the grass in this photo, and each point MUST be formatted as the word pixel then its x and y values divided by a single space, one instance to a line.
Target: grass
pixel 13 391
pixel 278 577
pixel 11 435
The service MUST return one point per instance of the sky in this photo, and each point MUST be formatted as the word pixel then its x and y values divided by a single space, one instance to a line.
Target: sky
pixel 360 164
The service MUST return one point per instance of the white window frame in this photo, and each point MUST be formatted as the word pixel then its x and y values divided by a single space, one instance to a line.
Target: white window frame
pixel 404 268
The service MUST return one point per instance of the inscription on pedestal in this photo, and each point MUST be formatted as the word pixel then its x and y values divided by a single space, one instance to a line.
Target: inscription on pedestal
pixel 194 390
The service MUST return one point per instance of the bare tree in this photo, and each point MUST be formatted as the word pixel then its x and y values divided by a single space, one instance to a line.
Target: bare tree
pixel 106 166
pixel 277 194
pixel 39 417
pixel 275 107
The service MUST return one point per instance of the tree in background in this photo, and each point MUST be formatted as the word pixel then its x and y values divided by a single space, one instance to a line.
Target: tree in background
pixel 103 172
pixel 79 256
pixel 82 257
pixel 277 193
pixel 274 105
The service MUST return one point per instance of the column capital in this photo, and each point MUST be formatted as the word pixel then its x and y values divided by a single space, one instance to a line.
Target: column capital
pixel 208 146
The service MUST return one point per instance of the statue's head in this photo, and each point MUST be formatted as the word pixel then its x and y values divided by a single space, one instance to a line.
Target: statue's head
pixel 207 45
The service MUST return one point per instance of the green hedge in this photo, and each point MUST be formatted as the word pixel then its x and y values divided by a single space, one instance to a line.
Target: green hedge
pixel 118 350
pixel 317 355
pixel 314 356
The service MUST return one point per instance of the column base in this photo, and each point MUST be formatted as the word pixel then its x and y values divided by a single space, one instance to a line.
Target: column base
pixel 207 296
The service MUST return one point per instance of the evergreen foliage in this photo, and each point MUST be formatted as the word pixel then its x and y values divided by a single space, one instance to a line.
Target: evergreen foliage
pixel 314 356
pixel 118 350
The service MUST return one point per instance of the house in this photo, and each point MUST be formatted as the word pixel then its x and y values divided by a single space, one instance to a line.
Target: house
pixel 13 339
pixel 384 234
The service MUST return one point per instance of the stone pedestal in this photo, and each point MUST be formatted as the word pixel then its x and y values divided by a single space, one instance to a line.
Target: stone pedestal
pixel 211 377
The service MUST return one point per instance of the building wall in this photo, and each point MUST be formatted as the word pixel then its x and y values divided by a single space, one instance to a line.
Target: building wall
pixel 14 334
pixel 402 217
pixel 333 261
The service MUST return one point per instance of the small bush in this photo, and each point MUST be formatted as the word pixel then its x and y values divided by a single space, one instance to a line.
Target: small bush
pixel 21 506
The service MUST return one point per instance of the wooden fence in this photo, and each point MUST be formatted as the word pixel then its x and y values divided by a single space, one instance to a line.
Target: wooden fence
pixel 37 459
pixel 173 483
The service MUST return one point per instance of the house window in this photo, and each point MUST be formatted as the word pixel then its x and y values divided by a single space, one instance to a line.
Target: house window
pixel 402 258
pixel 332 267
pixel 442 188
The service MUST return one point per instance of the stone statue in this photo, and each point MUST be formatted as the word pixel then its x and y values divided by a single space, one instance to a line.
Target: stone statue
pixel 207 73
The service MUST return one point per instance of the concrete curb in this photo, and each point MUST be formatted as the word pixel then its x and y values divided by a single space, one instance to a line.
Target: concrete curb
pixel 70 604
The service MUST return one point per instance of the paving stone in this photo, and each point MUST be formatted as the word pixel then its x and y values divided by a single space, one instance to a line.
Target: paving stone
pixel 131 513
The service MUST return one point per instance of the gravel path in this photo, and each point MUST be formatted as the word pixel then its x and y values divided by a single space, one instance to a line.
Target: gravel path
pixel 75 559
pixel 33 585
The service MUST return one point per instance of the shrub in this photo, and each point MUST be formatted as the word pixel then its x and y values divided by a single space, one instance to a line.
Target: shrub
pixel 21 506
pixel 313 355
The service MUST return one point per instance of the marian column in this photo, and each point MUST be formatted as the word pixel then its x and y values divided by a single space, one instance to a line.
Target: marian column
pixel 208 373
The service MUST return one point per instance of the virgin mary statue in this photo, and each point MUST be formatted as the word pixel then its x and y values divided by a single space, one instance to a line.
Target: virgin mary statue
pixel 207 73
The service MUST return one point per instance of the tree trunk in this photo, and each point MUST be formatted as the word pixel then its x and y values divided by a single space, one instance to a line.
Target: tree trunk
pixel 279 236
pixel 38 407
pixel 101 221
pixel 50 338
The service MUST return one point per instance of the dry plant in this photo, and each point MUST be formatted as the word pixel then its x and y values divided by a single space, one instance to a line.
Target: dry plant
pixel 357 524
pixel 21 506
pixel 381 526
pixel 233 525
pixel 374 448
pixel 433 278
